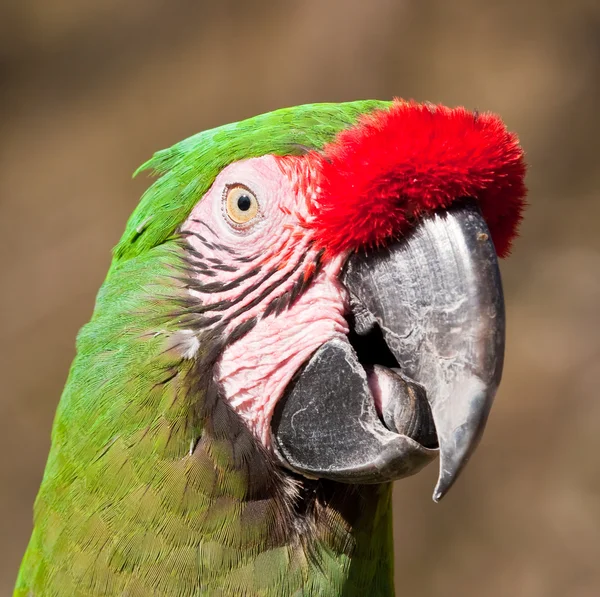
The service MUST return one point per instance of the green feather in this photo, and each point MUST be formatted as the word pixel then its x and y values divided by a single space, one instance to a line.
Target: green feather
pixel 153 487
pixel 189 168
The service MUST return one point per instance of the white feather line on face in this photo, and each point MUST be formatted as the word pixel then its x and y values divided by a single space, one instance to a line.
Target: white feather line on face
pixel 185 343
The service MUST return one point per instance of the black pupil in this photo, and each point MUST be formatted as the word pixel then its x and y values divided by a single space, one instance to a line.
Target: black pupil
pixel 244 202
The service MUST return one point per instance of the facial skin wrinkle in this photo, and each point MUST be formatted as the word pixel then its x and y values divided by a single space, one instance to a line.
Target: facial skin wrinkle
pixel 202 223
pixel 224 267
pixel 190 250
pixel 208 272
pixel 205 242
pixel 202 309
pixel 220 287
pixel 247 258
pixel 214 244
pixel 287 299
pixel 265 293
pixel 229 285
pixel 223 286
pixel 201 267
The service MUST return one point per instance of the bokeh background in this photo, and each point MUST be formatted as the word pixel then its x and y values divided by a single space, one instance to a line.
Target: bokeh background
pixel 90 89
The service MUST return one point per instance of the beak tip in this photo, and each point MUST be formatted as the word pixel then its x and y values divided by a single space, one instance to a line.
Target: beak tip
pixel 443 485
pixel 460 430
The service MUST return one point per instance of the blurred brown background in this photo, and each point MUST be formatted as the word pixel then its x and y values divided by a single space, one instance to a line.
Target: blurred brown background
pixel 90 89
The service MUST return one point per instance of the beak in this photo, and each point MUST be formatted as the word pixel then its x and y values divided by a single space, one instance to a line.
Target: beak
pixel 420 368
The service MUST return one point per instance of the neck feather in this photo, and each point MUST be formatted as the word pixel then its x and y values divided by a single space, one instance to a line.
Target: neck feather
pixel 154 486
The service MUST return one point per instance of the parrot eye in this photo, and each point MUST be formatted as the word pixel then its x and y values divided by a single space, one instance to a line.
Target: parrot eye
pixel 241 204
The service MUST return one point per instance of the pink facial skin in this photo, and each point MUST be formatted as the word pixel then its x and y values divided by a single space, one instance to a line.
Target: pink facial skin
pixel 255 370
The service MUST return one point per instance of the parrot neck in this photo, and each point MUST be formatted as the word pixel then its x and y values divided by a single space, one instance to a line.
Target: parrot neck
pixel 154 486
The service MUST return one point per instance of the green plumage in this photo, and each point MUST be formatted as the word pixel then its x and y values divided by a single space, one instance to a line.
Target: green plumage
pixel 189 167
pixel 155 488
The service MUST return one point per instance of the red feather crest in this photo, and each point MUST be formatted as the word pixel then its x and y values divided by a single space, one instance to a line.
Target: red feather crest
pixel 378 176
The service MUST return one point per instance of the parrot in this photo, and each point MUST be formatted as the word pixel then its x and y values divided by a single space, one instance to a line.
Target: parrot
pixel 305 306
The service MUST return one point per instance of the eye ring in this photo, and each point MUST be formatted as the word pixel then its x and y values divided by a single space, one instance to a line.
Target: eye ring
pixel 240 205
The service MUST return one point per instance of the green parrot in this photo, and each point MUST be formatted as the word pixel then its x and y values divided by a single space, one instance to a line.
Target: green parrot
pixel 304 307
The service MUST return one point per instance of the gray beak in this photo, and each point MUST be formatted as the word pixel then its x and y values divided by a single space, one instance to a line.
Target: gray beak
pixel 420 368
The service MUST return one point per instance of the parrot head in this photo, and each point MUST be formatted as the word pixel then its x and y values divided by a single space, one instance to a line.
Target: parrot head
pixel 353 290
pixel 304 306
